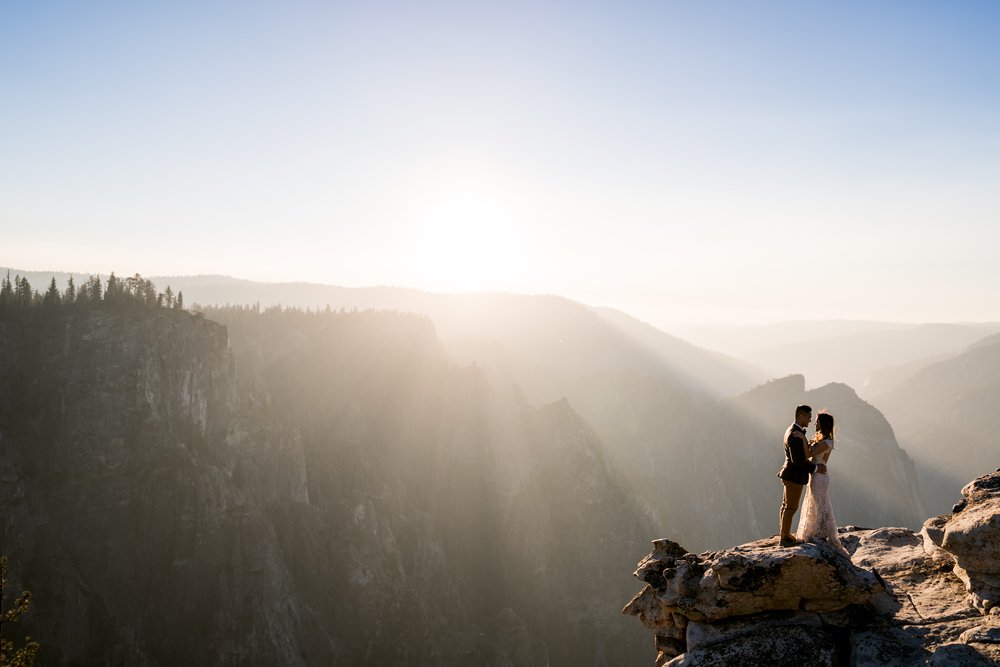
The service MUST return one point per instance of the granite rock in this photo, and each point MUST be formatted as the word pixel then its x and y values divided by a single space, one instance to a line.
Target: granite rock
pixel 903 598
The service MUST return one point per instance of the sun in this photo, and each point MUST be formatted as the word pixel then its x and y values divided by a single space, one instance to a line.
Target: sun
pixel 466 238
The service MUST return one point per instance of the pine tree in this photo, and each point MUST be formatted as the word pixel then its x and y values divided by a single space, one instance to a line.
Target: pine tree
pixel 96 291
pixel 83 293
pixel 52 297
pixel 148 291
pixel 23 294
pixel 6 292
pixel 69 296
pixel 115 292
pixel 169 294
pixel 9 656
pixel 179 304
pixel 26 292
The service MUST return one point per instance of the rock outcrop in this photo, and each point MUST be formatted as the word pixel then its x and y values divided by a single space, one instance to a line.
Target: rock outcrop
pixel 971 535
pixel 905 597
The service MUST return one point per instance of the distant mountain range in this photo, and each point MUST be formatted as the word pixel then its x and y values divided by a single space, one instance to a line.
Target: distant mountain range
pixel 547 342
pixel 742 340
pixel 872 357
pixel 946 416
pixel 550 347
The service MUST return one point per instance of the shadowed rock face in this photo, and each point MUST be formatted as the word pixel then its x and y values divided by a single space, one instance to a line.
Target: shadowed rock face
pixel 330 489
pixel 121 443
pixel 903 598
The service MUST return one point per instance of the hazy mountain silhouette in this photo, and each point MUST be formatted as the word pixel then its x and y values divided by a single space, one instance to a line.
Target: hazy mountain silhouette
pixel 652 398
pixel 742 340
pixel 883 380
pixel 946 417
pixel 873 478
pixel 707 468
pixel 863 359
pixel 543 343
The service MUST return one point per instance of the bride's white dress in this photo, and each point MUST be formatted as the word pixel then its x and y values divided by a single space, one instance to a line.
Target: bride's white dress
pixel 817 523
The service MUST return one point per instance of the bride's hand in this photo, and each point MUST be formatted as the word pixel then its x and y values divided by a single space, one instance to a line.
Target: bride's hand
pixel 821 468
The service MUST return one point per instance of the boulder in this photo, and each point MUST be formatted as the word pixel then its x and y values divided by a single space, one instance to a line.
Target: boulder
pixel 903 597
pixel 972 536
pixel 747 579
pixel 746 597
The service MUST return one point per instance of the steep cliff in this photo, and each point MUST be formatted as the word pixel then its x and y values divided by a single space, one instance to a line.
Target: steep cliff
pixel 903 598
pixel 122 443
pixel 329 489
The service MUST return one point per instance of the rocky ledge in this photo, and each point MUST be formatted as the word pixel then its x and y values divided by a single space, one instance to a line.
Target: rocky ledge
pixel 903 598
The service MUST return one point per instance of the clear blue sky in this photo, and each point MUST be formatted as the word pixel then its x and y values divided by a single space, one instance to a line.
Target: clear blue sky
pixel 723 161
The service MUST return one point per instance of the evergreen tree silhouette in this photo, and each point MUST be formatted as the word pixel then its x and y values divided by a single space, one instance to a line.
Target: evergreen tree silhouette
pixel 6 292
pixel 52 296
pixel 70 295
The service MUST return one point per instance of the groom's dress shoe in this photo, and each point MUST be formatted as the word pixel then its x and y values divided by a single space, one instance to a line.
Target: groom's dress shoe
pixel 788 542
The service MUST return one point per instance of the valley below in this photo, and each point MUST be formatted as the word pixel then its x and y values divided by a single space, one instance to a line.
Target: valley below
pixel 276 485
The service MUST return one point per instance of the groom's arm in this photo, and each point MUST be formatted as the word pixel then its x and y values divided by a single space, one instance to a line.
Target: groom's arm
pixel 797 452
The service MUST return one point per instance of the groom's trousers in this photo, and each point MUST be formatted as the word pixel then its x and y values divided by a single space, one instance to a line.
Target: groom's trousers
pixel 789 505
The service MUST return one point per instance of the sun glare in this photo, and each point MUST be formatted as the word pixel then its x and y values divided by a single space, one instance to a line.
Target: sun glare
pixel 465 239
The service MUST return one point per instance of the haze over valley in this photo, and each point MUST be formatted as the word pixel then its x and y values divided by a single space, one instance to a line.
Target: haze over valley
pixel 372 461
pixel 394 333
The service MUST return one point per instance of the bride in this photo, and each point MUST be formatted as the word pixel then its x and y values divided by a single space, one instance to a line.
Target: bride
pixel 817 523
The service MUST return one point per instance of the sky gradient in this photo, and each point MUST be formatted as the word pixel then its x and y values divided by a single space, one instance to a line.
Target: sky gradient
pixel 730 162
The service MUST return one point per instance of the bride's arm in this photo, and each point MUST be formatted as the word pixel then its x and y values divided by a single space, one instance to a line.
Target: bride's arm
pixel 817 448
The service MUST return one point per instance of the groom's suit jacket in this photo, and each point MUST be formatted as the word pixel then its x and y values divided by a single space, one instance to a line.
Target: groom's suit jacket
pixel 797 467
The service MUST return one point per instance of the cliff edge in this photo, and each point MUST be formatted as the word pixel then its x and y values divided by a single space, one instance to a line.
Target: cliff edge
pixel 904 598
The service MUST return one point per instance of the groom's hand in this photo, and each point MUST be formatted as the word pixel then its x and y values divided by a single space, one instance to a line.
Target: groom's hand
pixel 821 468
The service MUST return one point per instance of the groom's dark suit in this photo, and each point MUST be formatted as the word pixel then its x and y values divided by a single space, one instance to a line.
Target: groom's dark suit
pixel 797 467
pixel 794 476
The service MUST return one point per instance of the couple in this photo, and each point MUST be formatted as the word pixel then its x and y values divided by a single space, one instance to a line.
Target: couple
pixel 805 470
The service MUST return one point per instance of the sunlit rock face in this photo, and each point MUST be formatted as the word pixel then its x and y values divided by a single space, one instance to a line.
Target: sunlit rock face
pixel 298 489
pixel 904 597
pixel 971 535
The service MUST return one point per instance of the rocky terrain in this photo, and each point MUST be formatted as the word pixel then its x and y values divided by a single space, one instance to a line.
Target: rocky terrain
pixel 904 598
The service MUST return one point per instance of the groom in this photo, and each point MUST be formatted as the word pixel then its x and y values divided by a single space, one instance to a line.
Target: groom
pixel 795 473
